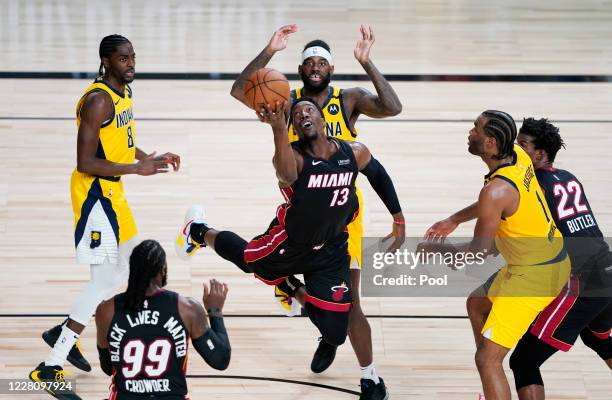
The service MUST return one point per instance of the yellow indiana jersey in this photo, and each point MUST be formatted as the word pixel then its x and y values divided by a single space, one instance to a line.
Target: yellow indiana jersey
pixel 336 119
pixel 102 217
pixel 529 236
pixel 117 141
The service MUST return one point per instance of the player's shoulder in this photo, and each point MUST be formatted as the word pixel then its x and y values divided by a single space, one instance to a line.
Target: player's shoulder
pixel 97 100
pixel 356 146
pixel 189 306
pixel 105 309
pixel 552 175
pixel 498 189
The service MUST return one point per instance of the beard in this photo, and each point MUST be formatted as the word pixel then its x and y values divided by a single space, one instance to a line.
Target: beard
pixel 315 88
pixel 308 137
pixel 476 148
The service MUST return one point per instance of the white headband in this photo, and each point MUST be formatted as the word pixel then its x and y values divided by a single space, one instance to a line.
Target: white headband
pixel 317 51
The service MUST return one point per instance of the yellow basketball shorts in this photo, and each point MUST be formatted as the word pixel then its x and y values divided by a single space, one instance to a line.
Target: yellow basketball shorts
pixel 519 294
pixel 103 220
pixel 355 232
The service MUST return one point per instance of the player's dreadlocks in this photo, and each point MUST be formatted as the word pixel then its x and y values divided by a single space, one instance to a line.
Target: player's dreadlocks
pixel 146 261
pixel 501 126
pixel 545 136
pixel 108 45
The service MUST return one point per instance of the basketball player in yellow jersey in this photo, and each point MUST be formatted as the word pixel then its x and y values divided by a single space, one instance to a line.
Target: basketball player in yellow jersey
pixel 341 108
pixel 104 228
pixel 512 216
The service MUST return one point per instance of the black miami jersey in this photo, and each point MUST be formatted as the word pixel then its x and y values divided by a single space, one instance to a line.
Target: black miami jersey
pixel 572 213
pixel 148 349
pixel 322 201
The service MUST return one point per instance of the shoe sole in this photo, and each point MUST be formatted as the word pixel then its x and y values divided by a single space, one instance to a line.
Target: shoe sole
pixel 69 358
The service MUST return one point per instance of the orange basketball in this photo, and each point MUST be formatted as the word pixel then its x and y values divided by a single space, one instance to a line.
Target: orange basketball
pixel 266 85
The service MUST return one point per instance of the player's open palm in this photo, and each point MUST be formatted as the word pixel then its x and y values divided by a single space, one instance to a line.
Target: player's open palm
pixel 152 165
pixel 440 230
pixel 279 39
pixel 364 44
pixel 214 296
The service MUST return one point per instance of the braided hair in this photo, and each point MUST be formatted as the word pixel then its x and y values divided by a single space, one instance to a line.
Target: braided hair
pixel 147 260
pixel 108 45
pixel 545 136
pixel 500 125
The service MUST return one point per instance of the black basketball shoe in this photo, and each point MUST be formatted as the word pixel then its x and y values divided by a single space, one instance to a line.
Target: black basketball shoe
pixel 373 391
pixel 75 356
pixel 323 356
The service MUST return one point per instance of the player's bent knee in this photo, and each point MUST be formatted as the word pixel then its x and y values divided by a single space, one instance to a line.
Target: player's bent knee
pixel 603 347
pixel 530 353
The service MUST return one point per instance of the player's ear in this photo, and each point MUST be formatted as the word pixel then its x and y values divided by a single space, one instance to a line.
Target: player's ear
pixel 300 69
pixel 105 62
pixel 331 69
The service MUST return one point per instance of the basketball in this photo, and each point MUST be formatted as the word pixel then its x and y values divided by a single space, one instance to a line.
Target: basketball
pixel 266 85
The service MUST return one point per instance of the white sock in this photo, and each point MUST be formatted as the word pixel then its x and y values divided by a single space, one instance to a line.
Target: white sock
pixel 369 372
pixel 62 347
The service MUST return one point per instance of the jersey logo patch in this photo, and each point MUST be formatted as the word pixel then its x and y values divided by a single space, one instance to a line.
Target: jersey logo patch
pixel 316 162
pixel 338 292
pixel 96 238
pixel 344 162
pixel 333 109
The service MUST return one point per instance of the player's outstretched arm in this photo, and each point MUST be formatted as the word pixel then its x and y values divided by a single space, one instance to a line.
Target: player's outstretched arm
pixel 104 316
pixel 96 110
pixel 285 161
pixel 494 199
pixel 383 186
pixel 385 103
pixel 210 341
pixel 277 42
pixel 441 229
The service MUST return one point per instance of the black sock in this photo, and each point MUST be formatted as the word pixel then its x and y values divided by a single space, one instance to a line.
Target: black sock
pixel 197 232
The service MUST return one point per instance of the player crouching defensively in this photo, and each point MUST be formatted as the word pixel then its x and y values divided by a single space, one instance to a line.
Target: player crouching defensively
pixel 308 236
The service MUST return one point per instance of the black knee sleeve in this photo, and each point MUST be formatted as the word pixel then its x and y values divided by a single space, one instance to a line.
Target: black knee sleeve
pixel 603 347
pixel 231 247
pixel 290 285
pixel 530 353
pixel 332 325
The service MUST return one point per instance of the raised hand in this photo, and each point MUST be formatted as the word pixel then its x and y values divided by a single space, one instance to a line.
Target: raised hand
pixel 363 46
pixel 152 165
pixel 273 116
pixel 215 295
pixel 279 39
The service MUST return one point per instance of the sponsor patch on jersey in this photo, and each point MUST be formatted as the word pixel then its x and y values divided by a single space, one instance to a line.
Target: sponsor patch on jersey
pixel 96 238
pixel 333 109
pixel 344 162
